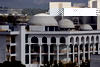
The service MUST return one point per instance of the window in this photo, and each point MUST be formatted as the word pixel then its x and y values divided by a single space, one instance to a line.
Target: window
pixel 12 38
pixel 53 40
pixel 13 50
pixel 62 40
pixel 44 40
pixel 35 48
pixel 12 58
pixel 26 38
pixel 34 40
pixel 45 48
pixel 27 59
pixel 26 48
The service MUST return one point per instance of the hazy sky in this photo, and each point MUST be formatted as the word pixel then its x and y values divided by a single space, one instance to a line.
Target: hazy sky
pixel 32 3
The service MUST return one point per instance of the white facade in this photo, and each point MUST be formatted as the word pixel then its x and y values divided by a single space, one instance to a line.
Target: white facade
pixel 33 48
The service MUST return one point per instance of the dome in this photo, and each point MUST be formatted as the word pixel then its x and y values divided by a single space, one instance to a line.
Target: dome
pixel 43 19
pixel 66 23
pixel 86 27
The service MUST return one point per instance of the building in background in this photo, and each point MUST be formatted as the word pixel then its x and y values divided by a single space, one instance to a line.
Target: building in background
pixel 14 12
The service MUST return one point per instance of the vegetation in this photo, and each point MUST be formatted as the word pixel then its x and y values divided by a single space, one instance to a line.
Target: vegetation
pixel 70 64
pixel 12 64
pixel 33 11
pixel 9 19
pixel 1 7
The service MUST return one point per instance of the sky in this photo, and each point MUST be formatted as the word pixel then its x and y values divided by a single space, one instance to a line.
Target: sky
pixel 33 3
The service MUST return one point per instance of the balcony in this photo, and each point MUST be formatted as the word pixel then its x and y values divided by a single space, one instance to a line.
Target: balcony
pixel 63 51
pixel 8 52
pixel 34 62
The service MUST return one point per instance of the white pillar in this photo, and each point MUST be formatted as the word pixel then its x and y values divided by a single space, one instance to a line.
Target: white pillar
pixel 29 54
pixel 93 48
pixel 84 52
pixel 89 51
pixel 57 53
pixel 98 48
pixel 29 41
pixel 67 53
pixel 98 17
pixel 22 32
pixel 48 52
pixel 40 54
pixel 98 3
pixel 79 54
pixel 73 53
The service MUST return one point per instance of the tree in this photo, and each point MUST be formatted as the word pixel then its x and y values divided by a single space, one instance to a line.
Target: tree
pixel 61 64
pixel 12 19
pixel 12 64
pixel 55 64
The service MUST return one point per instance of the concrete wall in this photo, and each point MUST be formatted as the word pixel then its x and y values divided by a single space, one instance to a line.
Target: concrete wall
pixel 2 48
pixel 18 48
pixel 59 4
pixel 94 4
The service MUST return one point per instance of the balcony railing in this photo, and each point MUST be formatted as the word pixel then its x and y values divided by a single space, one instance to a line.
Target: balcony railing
pixel 63 51
pixel 34 62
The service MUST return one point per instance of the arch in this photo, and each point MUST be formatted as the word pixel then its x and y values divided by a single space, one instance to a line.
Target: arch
pixel 97 39
pixel 34 40
pixel 70 48
pixel 92 39
pixel 86 47
pixel 96 46
pixel 35 48
pixel 45 48
pixel 77 40
pixel 71 40
pixel 75 48
pixel 82 39
pixel 91 47
pixel 26 48
pixel 62 40
pixel 53 48
pixel 62 48
pixel 53 40
pixel 81 47
pixel 44 40
pixel 87 39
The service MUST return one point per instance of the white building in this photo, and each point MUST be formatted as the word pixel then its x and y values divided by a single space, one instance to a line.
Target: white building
pixel 14 12
pixel 45 39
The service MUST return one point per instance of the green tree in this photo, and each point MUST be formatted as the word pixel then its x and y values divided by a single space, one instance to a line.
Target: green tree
pixel 55 64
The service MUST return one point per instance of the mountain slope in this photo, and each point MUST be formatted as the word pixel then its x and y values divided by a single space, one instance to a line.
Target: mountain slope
pixel 32 3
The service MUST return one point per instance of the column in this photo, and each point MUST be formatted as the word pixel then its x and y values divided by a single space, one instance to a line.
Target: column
pixel 98 48
pixel 73 54
pixel 98 17
pixel 29 41
pixel 79 54
pixel 57 53
pixel 29 54
pixel 89 51
pixel 93 48
pixel 48 52
pixel 84 52
pixel 67 46
pixel 40 54
pixel 21 48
